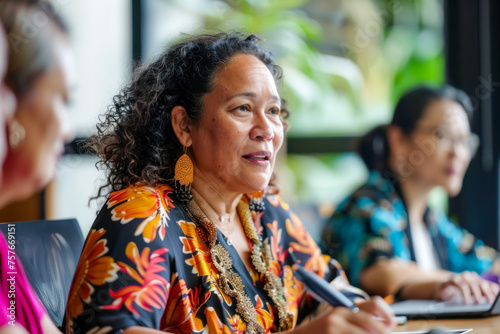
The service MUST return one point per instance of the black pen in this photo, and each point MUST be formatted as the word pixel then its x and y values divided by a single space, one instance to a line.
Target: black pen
pixel 322 290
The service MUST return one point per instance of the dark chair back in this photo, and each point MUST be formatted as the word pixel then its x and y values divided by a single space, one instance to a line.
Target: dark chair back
pixel 49 251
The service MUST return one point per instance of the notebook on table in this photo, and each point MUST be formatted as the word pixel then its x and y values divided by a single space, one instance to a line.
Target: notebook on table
pixel 430 309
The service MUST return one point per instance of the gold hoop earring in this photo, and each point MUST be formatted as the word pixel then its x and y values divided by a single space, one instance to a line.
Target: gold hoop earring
pixel 17 134
pixel 183 177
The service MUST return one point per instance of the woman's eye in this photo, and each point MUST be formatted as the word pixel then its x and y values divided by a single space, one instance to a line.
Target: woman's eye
pixel 243 108
pixel 275 111
pixel 439 133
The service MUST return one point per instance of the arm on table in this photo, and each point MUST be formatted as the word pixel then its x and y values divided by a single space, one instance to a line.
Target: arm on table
pixel 386 277
pixel 390 276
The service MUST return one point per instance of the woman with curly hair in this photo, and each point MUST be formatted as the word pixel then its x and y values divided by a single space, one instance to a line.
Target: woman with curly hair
pixel 192 236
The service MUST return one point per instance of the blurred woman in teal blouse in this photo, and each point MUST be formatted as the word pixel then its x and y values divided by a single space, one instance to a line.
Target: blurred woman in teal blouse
pixel 385 235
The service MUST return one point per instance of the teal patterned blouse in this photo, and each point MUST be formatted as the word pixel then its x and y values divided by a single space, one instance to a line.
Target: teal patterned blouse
pixel 372 224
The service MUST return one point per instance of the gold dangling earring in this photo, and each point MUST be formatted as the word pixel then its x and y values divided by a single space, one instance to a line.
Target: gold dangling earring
pixel 256 203
pixel 183 177
pixel 17 133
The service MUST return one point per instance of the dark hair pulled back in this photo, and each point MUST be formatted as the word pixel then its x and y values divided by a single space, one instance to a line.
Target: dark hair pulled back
pixel 374 147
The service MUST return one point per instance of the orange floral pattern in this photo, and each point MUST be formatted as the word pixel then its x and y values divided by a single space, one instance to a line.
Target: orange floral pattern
pixel 304 243
pixel 193 245
pixel 180 312
pixel 276 248
pixel 265 314
pixel 152 205
pixel 236 324
pixel 293 289
pixel 96 269
pixel 200 259
pixel 151 288
pixel 145 272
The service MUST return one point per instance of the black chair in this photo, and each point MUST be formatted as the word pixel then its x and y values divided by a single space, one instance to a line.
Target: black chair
pixel 49 251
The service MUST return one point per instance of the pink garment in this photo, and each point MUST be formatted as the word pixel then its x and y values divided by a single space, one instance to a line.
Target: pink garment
pixel 19 305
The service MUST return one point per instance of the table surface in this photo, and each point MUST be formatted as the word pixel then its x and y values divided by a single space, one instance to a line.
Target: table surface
pixel 490 325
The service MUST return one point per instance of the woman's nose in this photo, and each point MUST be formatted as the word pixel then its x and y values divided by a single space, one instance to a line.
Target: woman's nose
pixel 68 130
pixel 9 102
pixel 262 128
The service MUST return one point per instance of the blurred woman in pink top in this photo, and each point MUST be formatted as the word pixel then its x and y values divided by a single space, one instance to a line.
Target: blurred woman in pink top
pixel 36 70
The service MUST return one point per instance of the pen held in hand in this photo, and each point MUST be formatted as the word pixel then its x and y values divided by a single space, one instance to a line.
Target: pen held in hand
pixel 322 290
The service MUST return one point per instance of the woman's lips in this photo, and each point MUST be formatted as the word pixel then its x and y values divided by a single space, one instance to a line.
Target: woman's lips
pixel 261 158
pixel 451 171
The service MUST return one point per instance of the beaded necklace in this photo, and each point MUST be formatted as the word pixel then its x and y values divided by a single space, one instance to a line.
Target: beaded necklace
pixel 230 281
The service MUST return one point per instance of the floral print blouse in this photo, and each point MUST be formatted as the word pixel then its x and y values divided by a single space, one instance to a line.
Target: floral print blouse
pixel 372 224
pixel 144 264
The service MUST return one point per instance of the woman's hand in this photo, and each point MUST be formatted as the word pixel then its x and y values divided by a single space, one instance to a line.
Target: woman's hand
pixel 468 286
pixel 410 282
pixel 379 308
pixel 340 320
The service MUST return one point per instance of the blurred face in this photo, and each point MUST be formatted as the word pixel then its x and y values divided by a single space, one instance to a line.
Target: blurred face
pixel 441 147
pixel 43 112
pixel 239 133
pixel 7 98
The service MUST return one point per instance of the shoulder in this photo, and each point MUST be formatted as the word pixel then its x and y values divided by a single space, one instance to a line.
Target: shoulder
pixel 278 215
pixel 137 201
pixel 439 222
pixel 375 203
pixel 276 206
pixel 377 191
pixel 289 233
pixel 140 210
pixel 277 210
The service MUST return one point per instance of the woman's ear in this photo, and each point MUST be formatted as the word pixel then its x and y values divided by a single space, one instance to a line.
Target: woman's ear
pixel 396 140
pixel 181 123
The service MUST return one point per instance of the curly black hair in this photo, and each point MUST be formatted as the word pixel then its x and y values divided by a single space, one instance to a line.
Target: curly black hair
pixel 135 140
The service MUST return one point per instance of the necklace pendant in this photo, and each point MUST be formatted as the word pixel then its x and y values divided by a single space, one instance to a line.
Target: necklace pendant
pixel 229 242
